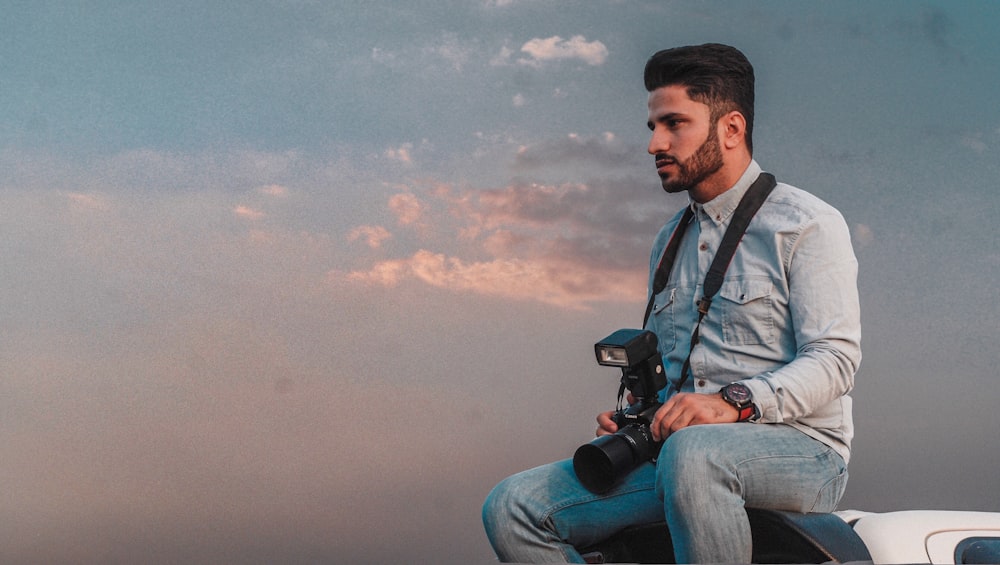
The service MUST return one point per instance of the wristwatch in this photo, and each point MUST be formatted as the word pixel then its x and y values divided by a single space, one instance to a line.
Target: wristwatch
pixel 741 398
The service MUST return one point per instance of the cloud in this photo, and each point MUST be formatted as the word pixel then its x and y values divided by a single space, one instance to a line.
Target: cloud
pixel 407 208
pixel 373 236
pixel 275 190
pixel 401 153
pixel 503 57
pixel 447 52
pixel 554 243
pixel 451 50
pixel 382 56
pixel 558 283
pixel 569 244
pixel 605 152
pixel 404 152
pixel 537 52
pixel 248 213
pixel 556 48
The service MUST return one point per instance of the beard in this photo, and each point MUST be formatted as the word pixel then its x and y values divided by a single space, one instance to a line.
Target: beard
pixel 706 161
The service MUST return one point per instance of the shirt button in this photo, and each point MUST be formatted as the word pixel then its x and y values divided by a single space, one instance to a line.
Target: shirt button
pixel 703 247
pixel 701 382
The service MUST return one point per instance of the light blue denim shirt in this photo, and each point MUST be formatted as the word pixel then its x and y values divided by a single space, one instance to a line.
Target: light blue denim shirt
pixel 786 321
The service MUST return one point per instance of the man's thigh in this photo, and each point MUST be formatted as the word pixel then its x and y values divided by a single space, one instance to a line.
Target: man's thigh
pixel 774 466
pixel 581 517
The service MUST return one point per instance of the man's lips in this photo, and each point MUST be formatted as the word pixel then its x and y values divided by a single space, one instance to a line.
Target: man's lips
pixel 663 162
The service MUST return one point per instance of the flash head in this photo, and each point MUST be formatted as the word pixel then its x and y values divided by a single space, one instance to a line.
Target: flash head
pixel 625 348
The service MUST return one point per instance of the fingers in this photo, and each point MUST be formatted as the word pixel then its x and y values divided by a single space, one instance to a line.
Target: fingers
pixel 605 425
pixel 668 419
pixel 688 409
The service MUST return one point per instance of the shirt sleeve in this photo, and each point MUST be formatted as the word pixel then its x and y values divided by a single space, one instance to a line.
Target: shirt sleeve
pixel 825 314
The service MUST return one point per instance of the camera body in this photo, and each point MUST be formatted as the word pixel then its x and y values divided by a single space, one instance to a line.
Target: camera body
pixel 602 462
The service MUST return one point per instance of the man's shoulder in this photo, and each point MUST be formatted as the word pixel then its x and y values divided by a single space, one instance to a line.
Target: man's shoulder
pixel 796 204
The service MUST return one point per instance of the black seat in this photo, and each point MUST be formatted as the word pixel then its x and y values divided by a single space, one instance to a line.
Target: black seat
pixel 778 537
pixel 790 537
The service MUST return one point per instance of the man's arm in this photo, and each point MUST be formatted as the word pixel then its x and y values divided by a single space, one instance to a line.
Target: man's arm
pixel 826 320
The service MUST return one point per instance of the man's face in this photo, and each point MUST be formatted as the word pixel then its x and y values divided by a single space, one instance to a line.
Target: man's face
pixel 684 141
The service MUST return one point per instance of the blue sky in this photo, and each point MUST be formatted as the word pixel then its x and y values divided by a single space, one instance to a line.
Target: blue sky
pixel 295 280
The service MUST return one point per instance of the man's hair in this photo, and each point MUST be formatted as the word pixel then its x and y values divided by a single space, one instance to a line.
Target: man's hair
pixel 714 74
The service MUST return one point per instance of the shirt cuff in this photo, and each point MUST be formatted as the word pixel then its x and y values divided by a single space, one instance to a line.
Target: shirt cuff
pixel 765 401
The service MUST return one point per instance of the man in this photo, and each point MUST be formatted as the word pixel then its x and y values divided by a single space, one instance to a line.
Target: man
pixel 764 419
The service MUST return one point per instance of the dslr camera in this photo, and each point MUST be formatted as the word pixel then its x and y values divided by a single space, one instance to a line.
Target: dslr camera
pixel 602 462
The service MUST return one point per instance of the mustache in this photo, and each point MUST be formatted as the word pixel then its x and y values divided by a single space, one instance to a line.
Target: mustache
pixel 664 159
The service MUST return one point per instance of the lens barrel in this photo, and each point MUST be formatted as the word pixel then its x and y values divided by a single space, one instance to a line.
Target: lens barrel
pixel 602 462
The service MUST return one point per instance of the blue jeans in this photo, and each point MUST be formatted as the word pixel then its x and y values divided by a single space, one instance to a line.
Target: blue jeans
pixel 699 484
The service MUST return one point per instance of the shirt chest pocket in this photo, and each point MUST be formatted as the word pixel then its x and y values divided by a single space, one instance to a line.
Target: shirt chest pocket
pixel 747 311
pixel 663 320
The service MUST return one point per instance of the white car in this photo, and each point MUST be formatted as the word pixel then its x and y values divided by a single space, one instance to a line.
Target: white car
pixel 928 536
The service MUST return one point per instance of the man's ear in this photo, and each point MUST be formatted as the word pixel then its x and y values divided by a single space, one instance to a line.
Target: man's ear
pixel 733 129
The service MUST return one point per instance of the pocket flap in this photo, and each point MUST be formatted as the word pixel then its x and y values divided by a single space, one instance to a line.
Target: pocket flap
pixel 742 291
pixel 664 299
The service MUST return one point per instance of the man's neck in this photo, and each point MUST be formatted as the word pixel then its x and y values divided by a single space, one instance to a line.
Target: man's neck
pixel 723 179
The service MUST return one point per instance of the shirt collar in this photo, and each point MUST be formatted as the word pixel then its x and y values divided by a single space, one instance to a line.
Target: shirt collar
pixel 720 208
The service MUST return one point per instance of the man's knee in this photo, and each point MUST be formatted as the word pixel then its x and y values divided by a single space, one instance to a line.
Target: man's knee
pixel 690 464
pixel 515 516
pixel 513 504
pixel 498 506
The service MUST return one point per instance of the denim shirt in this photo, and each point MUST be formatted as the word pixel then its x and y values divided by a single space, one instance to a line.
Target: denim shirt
pixel 786 321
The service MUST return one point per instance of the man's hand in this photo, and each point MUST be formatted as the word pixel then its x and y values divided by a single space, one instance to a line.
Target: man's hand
pixel 689 409
pixel 605 425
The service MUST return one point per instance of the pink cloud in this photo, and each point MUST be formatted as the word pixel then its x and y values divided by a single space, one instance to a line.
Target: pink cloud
pixel 569 244
pixel 248 212
pixel 373 236
pixel 557 283
pixel 275 190
pixel 407 208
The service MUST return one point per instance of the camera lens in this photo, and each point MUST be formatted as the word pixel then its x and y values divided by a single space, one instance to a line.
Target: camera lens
pixel 600 463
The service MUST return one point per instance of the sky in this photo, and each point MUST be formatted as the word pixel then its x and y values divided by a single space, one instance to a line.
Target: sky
pixel 299 281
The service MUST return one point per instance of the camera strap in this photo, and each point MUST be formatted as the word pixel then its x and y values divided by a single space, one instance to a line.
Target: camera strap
pixel 745 211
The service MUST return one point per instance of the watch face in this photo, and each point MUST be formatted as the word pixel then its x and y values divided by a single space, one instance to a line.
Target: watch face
pixel 737 393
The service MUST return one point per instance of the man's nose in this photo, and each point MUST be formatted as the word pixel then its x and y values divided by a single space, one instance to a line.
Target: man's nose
pixel 658 143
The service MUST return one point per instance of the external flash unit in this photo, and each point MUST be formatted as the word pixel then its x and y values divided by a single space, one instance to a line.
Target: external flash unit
pixel 625 348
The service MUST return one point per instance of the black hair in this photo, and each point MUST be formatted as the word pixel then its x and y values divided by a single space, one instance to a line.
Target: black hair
pixel 714 74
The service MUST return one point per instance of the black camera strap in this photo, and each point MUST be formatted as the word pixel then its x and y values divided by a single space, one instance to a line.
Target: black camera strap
pixel 745 211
